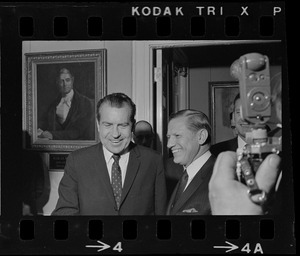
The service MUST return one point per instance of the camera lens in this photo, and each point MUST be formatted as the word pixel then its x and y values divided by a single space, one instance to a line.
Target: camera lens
pixel 259 101
pixel 253 77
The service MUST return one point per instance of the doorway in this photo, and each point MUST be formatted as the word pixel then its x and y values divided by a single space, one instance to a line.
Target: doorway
pixel 180 74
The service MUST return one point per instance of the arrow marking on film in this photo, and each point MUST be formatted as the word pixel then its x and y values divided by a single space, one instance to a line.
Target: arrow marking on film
pixel 231 247
pixel 102 247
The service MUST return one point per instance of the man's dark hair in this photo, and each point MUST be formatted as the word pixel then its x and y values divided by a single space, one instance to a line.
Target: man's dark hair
pixel 117 100
pixel 196 120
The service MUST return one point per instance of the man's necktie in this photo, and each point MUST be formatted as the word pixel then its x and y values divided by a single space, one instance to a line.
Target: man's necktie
pixel 116 180
pixel 182 184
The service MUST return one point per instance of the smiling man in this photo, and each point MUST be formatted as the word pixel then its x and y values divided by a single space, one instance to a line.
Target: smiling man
pixel 116 176
pixel 241 128
pixel 189 136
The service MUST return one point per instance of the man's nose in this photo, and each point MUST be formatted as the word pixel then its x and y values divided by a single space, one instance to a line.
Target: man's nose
pixel 115 132
pixel 170 142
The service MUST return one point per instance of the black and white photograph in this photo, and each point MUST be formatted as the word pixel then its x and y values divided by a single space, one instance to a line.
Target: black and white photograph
pixel 60 94
pixel 143 128
pixel 190 79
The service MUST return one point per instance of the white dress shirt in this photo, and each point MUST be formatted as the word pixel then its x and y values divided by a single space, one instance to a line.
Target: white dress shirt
pixel 241 142
pixel 195 166
pixel 123 162
pixel 64 106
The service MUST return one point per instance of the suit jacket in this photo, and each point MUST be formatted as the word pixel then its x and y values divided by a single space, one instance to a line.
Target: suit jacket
pixel 173 173
pixel 194 199
pixel 85 188
pixel 80 121
pixel 227 145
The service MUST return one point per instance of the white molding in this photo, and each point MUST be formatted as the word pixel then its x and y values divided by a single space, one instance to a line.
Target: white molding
pixel 142 73
pixel 141 84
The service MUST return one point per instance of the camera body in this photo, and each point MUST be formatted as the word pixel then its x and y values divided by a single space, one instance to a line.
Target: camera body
pixel 252 70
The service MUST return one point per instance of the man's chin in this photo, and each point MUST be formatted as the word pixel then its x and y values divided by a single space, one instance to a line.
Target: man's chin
pixel 176 160
pixel 116 150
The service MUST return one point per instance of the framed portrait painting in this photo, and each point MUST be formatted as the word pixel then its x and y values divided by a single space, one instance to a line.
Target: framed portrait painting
pixel 222 95
pixel 60 97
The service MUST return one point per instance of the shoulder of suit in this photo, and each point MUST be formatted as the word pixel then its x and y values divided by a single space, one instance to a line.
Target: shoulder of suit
pixel 212 159
pixel 79 96
pixel 145 151
pixel 87 150
pixel 225 142
pixel 217 148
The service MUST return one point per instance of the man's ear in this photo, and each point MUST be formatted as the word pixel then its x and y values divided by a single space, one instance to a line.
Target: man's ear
pixel 233 119
pixel 98 125
pixel 202 136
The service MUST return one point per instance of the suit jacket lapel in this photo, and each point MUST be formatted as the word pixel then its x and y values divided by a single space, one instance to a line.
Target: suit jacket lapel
pixel 101 167
pixel 234 144
pixel 193 186
pixel 169 208
pixel 132 169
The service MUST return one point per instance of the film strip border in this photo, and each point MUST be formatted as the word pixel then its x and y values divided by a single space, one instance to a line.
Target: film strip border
pixel 161 21
pixel 163 26
pixel 136 235
pixel 139 235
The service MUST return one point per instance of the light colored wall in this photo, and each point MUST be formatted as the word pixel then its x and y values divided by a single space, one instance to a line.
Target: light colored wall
pixel 119 59
pixel 119 79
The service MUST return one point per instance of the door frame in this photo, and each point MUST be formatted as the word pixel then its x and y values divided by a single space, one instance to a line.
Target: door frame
pixel 143 74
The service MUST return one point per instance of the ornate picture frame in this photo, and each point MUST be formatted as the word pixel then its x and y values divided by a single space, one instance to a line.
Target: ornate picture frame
pixel 221 95
pixel 41 97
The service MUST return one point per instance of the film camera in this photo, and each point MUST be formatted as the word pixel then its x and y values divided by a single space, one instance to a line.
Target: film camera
pixel 253 73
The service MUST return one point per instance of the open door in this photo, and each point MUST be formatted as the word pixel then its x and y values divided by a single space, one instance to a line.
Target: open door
pixel 170 90
pixel 160 92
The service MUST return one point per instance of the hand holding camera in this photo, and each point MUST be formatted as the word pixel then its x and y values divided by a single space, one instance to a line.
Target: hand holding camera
pixel 253 73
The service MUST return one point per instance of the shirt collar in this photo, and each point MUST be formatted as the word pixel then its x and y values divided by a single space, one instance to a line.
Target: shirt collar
pixel 195 166
pixel 69 96
pixel 108 155
pixel 241 142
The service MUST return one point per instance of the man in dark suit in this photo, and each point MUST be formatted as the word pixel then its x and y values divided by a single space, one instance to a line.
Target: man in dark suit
pixel 116 176
pixel 71 116
pixel 241 127
pixel 189 135
pixel 230 197
pixel 173 173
